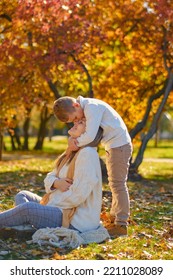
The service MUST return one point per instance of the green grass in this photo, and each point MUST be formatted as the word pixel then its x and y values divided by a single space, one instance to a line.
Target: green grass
pixel 163 150
pixel 150 223
pixel 157 171
pixel 57 145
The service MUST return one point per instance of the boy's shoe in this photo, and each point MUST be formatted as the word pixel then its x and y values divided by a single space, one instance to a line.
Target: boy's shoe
pixel 19 232
pixel 116 230
pixel 113 230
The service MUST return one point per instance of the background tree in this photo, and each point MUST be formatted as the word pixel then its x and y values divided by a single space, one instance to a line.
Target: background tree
pixel 125 54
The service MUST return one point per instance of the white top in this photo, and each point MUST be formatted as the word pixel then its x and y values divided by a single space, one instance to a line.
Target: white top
pixel 85 193
pixel 99 113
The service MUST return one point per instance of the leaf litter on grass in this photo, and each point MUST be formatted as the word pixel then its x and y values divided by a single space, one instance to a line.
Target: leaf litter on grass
pixel 150 224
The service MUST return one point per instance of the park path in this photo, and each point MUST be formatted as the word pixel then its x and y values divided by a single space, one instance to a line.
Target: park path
pixel 158 159
pixel 14 156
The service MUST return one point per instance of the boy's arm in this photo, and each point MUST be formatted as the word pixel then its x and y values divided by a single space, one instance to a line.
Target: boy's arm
pixel 93 114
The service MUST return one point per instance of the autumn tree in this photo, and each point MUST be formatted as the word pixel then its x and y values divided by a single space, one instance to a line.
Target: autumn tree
pixel 33 51
pixel 122 56
pixel 131 77
pixel 44 38
pixel 158 18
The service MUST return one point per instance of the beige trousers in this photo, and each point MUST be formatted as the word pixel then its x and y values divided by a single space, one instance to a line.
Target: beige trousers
pixel 117 163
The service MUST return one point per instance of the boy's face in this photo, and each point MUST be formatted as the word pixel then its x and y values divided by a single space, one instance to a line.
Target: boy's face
pixel 77 115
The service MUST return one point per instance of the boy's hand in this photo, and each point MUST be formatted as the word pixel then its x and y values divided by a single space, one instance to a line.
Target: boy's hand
pixel 72 144
pixel 62 184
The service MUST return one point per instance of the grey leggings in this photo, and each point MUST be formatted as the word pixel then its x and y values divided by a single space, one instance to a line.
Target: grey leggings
pixel 29 211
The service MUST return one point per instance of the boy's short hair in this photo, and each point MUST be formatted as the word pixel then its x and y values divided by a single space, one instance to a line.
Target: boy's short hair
pixel 63 106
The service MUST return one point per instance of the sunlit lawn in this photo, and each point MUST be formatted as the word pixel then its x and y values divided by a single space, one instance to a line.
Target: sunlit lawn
pixel 59 144
pixel 150 224
pixel 159 171
pixel 163 150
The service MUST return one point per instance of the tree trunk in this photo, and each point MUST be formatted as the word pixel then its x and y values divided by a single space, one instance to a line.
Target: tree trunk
pixel 10 132
pixel 13 146
pixel 54 89
pixel 157 137
pixel 153 126
pixel 42 129
pixel 17 137
pixel 1 145
pixel 82 65
pixel 140 125
pixel 26 134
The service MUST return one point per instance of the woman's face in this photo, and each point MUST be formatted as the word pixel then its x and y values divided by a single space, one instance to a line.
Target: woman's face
pixel 78 128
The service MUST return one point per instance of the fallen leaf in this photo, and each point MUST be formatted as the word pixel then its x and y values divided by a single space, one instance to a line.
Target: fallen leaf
pixel 148 255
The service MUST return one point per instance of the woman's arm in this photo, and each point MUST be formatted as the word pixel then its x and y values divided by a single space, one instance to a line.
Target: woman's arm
pixel 49 180
pixel 52 183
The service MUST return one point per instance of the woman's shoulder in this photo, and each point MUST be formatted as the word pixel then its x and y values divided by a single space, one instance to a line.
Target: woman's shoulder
pixel 88 157
pixel 88 151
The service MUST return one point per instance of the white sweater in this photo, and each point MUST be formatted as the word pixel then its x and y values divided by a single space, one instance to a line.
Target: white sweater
pixel 85 193
pixel 99 113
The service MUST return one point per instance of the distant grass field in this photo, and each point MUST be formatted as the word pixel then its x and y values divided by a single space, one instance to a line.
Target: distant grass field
pixel 152 170
pixel 163 150
pixel 59 144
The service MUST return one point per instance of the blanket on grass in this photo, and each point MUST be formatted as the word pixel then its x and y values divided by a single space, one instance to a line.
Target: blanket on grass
pixel 63 237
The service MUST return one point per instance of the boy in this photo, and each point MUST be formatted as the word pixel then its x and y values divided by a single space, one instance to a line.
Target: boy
pixel 118 146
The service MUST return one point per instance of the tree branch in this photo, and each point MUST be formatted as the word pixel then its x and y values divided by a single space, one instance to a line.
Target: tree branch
pixel 165 49
pixel 154 123
pixel 54 89
pixel 140 125
pixel 5 16
pixel 79 62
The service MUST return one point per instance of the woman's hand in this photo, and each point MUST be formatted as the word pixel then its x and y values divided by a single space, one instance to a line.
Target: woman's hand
pixel 62 184
pixel 72 144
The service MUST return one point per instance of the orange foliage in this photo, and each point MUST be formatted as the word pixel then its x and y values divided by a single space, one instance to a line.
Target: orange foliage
pixel 121 43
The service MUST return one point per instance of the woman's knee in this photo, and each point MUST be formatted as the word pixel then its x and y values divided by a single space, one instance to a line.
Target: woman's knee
pixel 27 208
pixel 19 197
